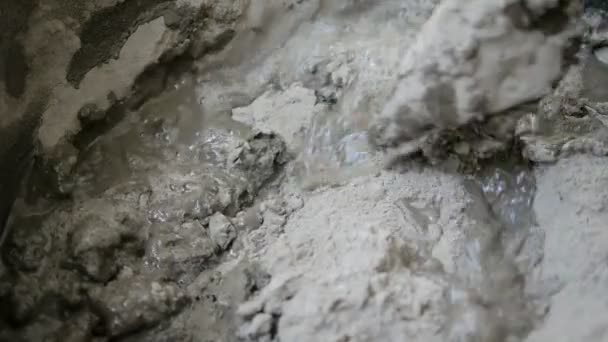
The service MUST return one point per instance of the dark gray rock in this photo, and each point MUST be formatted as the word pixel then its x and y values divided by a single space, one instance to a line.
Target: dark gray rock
pixel 596 5
pixel 180 249
pixel 129 304
pixel 221 230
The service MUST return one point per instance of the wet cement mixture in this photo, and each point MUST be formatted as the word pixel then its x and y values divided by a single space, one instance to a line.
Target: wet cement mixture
pixel 309 170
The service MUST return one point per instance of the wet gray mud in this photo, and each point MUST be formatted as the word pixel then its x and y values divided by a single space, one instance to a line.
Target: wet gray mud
pixel 146 216
pixel 245 203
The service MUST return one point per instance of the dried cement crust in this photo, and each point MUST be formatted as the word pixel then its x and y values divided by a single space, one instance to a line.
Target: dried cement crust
pixel 476 59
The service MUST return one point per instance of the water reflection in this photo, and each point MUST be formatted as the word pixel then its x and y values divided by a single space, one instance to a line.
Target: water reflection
pixel 510 192
pixel 172 128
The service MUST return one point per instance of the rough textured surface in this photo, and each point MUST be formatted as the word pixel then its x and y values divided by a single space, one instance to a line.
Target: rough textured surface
pixel 572 119
pixel 413 230
pixel 130 304
pixel 57 58
pixel 137 229
pixel 571 208
pixel 244 202
pixel 476 60
pixel 322 289
pixel 288 113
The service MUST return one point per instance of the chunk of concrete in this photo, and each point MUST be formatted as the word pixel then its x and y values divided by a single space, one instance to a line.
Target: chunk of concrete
pixel 476 59
pixel 129 304
pixel 221 230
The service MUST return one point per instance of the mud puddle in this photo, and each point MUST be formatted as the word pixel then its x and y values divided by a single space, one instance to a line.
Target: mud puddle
pixel 152 208
pixel 169 129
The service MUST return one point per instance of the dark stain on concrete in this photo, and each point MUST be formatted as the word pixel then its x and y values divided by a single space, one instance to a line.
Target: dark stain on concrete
pixel 16 69
pixel 106 32
pixel 13 65
pixel 601 5
pixel 16 151
pixel 553 21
